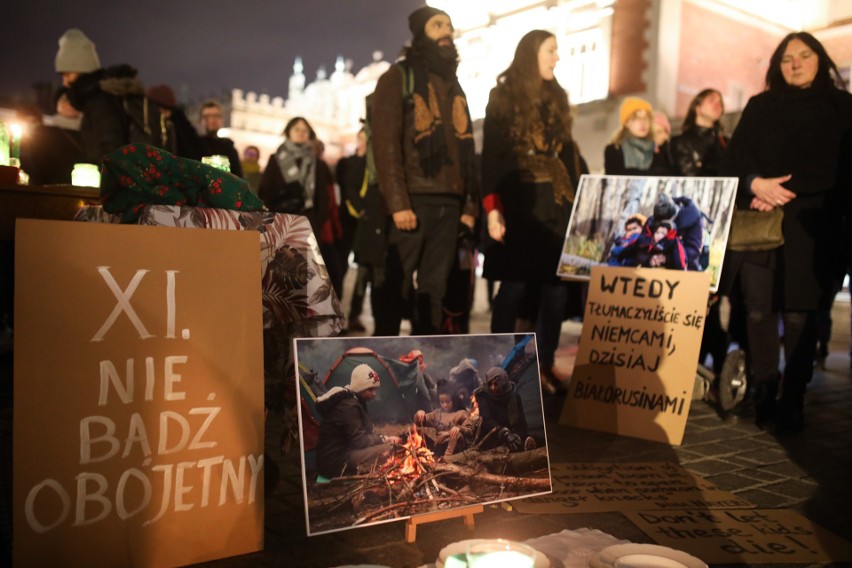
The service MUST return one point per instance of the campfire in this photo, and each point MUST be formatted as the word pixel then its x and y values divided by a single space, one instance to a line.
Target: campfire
pixel 412 464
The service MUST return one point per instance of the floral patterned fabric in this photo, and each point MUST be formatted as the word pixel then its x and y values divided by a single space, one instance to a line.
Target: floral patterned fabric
pixel 298 299
pixel 136 175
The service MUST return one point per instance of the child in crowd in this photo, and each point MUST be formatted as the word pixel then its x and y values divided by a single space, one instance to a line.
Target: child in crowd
pixel 453 424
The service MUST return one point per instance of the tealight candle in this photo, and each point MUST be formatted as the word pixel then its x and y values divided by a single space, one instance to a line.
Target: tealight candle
pixel 500 553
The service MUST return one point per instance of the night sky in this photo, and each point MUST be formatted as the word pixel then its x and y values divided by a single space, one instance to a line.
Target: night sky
pixel 204 46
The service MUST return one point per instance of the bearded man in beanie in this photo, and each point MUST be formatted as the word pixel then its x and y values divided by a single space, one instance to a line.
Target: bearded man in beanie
pixel 99 94
pixel 346 438
pixel 424 154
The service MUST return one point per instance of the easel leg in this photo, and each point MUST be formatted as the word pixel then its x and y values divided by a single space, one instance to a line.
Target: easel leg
pixel 466 513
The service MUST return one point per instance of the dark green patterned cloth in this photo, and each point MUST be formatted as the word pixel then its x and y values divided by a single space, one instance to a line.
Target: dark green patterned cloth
pixel 136 175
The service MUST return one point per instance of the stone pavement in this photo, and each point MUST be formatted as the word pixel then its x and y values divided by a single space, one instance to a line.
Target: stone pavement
pixel 808 472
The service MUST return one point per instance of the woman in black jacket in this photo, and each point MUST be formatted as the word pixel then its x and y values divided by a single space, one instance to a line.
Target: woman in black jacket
pixel 530 169
pixel 697 151
pixel 786 151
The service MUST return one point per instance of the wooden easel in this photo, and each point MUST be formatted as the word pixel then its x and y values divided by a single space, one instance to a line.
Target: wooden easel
pixel 466 512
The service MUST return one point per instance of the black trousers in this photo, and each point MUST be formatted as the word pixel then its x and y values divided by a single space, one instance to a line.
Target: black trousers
pixel 417 267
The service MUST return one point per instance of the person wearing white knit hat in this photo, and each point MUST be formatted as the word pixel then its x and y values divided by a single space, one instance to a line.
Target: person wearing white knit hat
pixel 346 438
pixel 76 55
pixel 103 96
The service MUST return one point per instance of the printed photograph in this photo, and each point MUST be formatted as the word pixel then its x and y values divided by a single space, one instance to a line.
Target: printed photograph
pixel 678 223
pixel 393 427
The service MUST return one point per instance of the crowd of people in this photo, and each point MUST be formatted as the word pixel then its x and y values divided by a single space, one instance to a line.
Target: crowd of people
pixel 414 186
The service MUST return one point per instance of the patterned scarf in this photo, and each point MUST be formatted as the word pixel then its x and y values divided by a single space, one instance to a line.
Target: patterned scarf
pixel 538 148
pixel 297 164
pixel 426 56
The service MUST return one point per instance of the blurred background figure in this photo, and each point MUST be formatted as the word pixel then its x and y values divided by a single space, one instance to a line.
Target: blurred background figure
pixel 212 120
pixel 297 181
pixel 177 135
pixel 49 151
pixel 632 150
pixel 111 100
pixel 698 150
pixel 351 177
pixel 251 167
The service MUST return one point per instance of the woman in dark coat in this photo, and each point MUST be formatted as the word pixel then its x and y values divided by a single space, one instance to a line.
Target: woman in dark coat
pixel 786 151
pixel 698 150
pixel 298 182
pixel 530 169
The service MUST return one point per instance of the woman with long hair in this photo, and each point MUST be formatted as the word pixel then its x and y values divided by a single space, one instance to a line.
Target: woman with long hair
pixel 698 150
pixel 297 181
pixel 530 170
pixel 786 151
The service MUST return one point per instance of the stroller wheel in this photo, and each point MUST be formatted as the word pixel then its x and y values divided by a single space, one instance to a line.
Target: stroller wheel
pixel 733 380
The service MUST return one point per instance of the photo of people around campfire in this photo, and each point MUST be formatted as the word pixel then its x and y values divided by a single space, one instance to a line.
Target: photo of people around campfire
pixel 677 223
pixel 393 427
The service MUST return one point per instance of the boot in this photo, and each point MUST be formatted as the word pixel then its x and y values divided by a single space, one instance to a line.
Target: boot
pixel 790 417
pixel 765 401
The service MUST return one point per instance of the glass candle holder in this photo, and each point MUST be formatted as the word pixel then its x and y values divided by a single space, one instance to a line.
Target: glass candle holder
pixel 500 553
pixel 86 175
pixel 217 161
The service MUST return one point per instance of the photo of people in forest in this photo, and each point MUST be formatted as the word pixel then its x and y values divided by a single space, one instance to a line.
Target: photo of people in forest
pixel 399 426
pixel 678 223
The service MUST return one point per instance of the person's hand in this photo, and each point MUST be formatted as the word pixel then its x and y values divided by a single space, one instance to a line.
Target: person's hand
pixel 392 439
pixel 419 416
pixel 405 220
pixel 496 225
pixel 657 260
pixel 454 432
pixel 468 220
pixel 761 205
pixel 771 192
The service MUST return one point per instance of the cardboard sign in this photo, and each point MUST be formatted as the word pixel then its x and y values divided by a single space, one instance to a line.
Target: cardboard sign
pixel 757 536
pixel 138 412
pixel 611 487
pixel 638 352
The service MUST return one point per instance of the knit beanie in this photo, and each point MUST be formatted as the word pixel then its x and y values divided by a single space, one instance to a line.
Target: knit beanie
pixel 665 207
pixel 76 53
pixel 363 378
pixel 631 105
pixel 661 120
pixel 163 95
pixel 418 18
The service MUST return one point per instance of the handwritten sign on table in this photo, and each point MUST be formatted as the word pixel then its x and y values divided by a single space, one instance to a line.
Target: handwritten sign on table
pixel 138 412
pixel 638 352
pixel 756 536
pixel 612 487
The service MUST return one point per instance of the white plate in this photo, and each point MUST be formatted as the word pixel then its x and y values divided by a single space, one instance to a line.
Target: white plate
pixel 645 556
pixel 460 547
